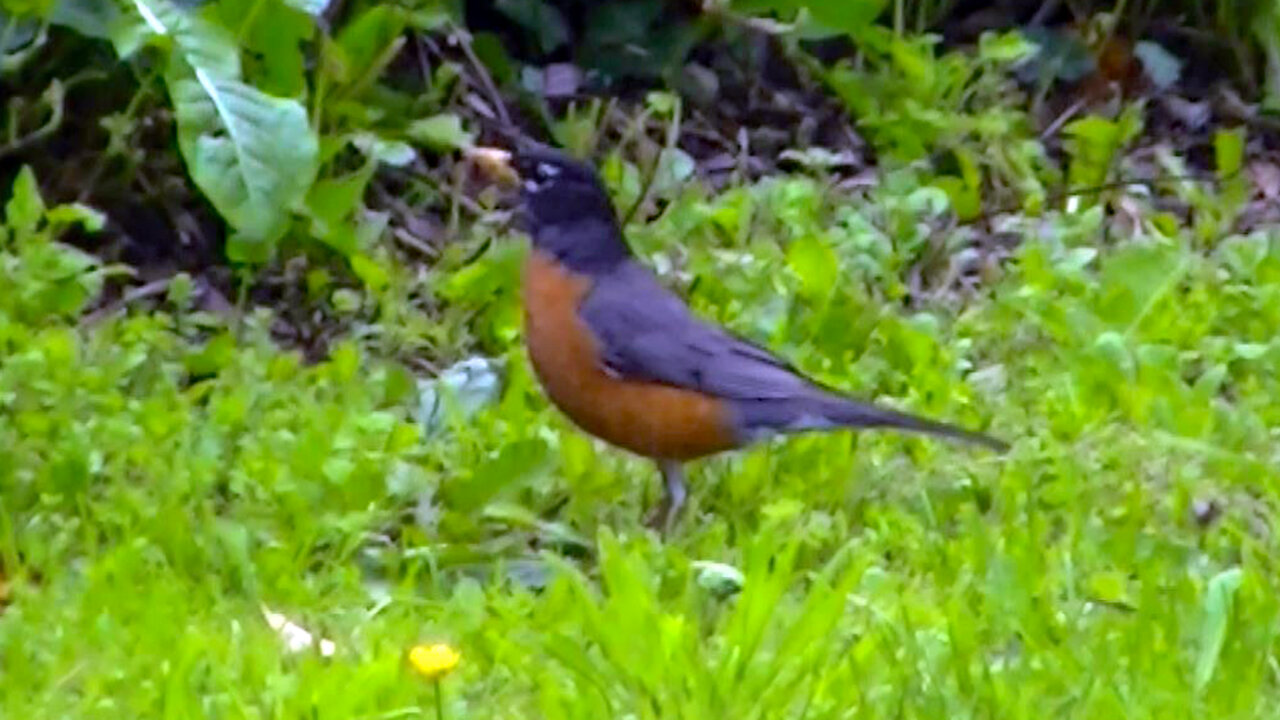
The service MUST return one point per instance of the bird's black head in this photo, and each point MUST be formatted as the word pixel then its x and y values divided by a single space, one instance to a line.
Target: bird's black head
pixel 567 211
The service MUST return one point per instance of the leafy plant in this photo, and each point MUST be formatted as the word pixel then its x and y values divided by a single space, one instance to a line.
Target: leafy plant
pixel 914 105
pixel 620 39
pixel 45 278
pixel 1094 145
pixel 267 132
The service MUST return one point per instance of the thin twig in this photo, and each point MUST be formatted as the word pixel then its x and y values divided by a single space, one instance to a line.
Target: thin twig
pixel 424 63
pixel 90 184
pixel 466 202
pixel 142 292
pixel 1044 12
pixel 1062 119
pixel 673 136
pixel 55 95
pixel 416 243
pixel 463 39
pixel 1151 183
pixel 649 176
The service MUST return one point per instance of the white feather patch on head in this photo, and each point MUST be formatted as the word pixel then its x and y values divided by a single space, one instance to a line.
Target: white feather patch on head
pixel 532 186
pixel 548 170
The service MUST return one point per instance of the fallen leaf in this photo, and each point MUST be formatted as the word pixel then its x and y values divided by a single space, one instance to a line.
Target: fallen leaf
pixel 1266 178
pixel 471 384
pixel 561 80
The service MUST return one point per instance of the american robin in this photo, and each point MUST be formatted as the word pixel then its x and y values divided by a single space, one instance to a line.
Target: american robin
pixel 628 362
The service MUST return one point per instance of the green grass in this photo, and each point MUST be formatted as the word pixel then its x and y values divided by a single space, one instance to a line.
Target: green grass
pixel 160 482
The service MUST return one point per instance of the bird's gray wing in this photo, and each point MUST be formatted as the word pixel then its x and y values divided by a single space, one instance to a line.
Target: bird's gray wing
pixel 646 332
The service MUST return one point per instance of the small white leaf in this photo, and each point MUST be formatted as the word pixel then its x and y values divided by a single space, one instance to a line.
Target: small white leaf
pixel 392 152
pixel 1161 66
pixel 719 578
pixel 296 638
pixel 470 384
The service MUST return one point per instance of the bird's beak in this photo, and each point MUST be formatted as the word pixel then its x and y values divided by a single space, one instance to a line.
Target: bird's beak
pixel 495 165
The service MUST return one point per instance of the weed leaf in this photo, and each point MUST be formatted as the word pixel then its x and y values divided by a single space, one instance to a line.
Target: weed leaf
pixel 252 154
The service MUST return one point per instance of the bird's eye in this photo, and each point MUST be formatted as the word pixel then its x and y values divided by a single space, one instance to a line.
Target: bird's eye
pixel 540 176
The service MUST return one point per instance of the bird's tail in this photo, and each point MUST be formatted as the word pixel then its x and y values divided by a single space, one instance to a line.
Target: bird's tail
pixel 854 414
pixel 826 411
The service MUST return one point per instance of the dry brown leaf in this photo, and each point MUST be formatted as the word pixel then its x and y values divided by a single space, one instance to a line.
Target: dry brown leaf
pixel 1266 178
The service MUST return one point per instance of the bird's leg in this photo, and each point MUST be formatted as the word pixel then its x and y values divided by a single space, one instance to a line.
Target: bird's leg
pixel 663 516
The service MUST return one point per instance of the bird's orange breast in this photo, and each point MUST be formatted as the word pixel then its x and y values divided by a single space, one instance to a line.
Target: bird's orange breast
pixel 650 419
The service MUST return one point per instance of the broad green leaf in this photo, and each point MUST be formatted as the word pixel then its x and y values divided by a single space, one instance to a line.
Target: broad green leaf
pixel 102 21
pixel 272 35
pixel 1218 601
pixel 441 133
pixel 80 214
pixel 314 8
pixel 674 167
pixel 365 45
pixel 435 15
pixel 1075 259
pixel 1109 586
pixel 852 17
pixel 515 463
pixel 202 44
pixel 965 199
pixel 927 200
pixel 1092 145
pixel 392 152
pixel 213 356
pixel 346 301
pixel 1060 54
pixel 181 289
pixel 662 103
pixel 1004 47
pixel 1228 152
pixel 541 19
pixel 969 171
pixel 246 250
pixel 1135 279
pixel 490 50
pixel 330 204
pixel 371 227
pixel 1112 349
pixel 784 8
pixel 253 155
pixel 371 273
pixel 814 262
pixel 25 208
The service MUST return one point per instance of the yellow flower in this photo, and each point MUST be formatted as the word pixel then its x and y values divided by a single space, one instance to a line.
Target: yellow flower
pixel 434 661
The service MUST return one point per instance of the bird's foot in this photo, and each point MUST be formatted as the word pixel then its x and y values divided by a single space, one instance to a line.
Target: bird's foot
pixel 662 517
pixel 659 517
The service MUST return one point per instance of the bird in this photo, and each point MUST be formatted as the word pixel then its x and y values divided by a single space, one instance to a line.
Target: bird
pixel 628 361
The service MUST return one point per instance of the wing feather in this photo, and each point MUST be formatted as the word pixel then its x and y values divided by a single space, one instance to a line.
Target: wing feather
pixel 646 332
